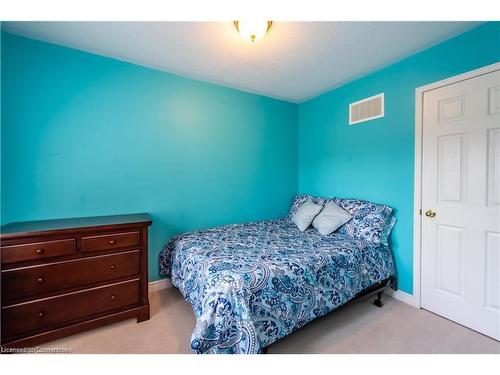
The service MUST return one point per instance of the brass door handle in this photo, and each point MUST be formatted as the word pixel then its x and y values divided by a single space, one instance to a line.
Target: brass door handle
pixel 430 213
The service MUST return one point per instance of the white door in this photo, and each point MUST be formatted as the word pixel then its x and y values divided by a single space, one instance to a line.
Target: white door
pixel 461 185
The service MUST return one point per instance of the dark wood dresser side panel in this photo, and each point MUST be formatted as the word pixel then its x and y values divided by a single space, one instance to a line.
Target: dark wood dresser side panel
pixel 144 270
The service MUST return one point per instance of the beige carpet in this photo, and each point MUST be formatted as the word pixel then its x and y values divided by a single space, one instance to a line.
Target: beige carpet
pixel 358 328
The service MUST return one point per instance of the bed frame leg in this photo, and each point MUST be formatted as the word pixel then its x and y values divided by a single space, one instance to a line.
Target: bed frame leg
pixel 378 302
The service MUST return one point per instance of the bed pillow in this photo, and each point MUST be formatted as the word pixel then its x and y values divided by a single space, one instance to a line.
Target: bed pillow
pixel 299 201
pixel 305 214
pixel 331 217
pixel 368 219
pixel 386 232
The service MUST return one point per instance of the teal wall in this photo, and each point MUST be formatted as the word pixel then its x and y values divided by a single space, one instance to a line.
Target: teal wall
pixel 86 135
pixel 375 160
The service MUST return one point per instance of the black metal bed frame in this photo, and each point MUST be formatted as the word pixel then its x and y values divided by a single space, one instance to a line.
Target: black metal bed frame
pixel 375 288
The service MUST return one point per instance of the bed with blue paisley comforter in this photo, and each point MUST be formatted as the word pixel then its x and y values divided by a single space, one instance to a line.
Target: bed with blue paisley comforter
pixel 254 283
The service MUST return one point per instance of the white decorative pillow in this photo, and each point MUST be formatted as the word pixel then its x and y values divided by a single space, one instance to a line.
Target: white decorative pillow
pixel 330 218
pixel 305 214
pixel 299 201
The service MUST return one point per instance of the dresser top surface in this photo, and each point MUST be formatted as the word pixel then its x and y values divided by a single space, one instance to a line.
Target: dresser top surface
pixel 26 227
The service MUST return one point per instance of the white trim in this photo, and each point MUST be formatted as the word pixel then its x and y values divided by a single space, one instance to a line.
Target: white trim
pixel 417 199
pixel 461 77
pixel 417 196
pixel 382 107
pixel 154 286
pixel 403 297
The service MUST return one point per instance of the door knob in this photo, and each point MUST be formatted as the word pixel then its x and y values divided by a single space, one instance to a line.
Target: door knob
pixel 430 213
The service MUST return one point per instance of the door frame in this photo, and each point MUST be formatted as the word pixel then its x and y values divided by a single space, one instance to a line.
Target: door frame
pixel 417 199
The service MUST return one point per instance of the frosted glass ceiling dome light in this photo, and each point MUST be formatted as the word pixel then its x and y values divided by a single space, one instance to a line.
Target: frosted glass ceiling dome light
pixel 252 31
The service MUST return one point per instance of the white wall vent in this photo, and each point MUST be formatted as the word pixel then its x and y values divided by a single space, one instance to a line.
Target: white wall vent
pixel 366 109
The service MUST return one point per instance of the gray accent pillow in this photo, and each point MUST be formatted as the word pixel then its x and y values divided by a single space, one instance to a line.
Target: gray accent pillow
pixel 299 201
pixel 305 214
pixel 330 218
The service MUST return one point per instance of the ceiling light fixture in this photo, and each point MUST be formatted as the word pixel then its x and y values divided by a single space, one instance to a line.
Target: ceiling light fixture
pixel 252 31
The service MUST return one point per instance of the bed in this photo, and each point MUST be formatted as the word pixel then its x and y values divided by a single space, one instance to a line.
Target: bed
pixel 252 284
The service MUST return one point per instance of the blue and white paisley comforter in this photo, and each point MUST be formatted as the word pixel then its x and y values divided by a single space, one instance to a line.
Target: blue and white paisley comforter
pixel 252 284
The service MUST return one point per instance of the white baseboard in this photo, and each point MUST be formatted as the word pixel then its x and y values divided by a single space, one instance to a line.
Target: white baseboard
pixel 402 296
pixel 154 286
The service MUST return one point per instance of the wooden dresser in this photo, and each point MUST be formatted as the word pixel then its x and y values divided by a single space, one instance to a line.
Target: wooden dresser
pixel 61 277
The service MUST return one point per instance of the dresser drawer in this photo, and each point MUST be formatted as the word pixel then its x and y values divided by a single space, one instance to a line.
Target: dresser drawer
pixel 32 316
pixel 37 250
pixel 31 281
pixel 110 241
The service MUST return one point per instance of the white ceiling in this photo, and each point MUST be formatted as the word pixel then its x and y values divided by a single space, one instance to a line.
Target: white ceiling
pixel 295 61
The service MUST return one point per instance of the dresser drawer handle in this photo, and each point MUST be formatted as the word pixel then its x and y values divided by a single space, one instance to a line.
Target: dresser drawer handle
pixel 113 297
pixel 39 251
pixel 112 267
pixel 41 314
pixel 40 280
pixel 112 242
